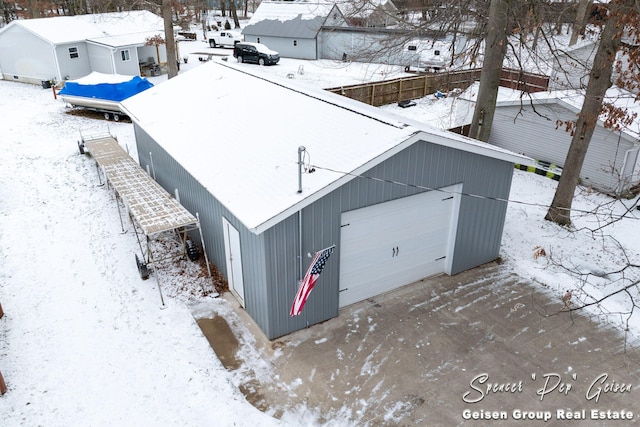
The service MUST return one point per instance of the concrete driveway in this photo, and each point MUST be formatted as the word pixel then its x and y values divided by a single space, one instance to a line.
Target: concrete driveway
pixel 459 350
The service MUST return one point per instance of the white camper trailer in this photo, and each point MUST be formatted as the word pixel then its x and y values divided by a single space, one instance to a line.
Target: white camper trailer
pixel 426 55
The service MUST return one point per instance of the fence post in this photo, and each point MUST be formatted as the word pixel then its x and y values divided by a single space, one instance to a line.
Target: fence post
pixel 3 386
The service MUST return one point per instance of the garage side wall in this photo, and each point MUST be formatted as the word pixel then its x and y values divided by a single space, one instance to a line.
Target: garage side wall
pixel 195 198
pixel 478 237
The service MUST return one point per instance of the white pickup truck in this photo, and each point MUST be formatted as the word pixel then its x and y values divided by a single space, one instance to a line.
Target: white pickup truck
pixel 224 39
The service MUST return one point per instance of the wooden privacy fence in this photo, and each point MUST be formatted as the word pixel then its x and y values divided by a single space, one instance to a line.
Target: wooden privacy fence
pixel 404 89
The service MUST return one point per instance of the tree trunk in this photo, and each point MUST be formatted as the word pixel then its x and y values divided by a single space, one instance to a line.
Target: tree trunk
pixel 34 9
pixel 494 51
pixel 204 17
pixel 170 41
pixel 3 385
pixel 599 81
pixel 579 24
pixel 234 14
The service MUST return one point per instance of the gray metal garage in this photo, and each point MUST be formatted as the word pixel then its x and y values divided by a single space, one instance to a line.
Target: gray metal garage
pixel 399 200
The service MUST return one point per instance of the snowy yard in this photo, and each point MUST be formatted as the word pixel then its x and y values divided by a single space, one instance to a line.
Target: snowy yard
pixel 85 341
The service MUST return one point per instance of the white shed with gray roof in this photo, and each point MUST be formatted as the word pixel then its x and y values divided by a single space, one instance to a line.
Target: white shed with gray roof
pixel 389 193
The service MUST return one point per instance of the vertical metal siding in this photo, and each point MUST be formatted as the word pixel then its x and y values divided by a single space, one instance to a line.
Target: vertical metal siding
pixel 270 260
pixel 195 198
pixel 478 235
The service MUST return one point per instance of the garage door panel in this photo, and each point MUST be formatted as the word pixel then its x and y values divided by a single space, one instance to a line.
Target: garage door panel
pixel 393 244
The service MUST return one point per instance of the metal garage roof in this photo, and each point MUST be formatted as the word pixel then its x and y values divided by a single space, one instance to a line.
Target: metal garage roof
pixel 150 205
pixel 248 160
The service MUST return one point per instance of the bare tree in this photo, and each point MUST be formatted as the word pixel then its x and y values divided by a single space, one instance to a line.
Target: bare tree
pixel 234 14
pixel 580 22
pixel 34 8
pixel 170 43
pixel 600 76
pixel 495 49
pixel 593 285
pixel 9 12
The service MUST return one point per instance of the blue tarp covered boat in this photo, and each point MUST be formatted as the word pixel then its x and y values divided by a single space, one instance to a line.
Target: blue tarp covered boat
pixel 103 92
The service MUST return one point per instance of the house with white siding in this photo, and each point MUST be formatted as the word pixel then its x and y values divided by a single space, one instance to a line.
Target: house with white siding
pixel 69 47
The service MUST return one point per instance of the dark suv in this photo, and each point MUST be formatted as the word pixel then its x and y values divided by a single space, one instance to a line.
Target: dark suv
pixel 256 53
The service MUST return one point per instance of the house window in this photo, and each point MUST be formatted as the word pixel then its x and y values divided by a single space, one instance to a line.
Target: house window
pixel 73 52
pixel 437 52
pixel 295 42
pixel 412 47
pixel 258 39
pixel 125 55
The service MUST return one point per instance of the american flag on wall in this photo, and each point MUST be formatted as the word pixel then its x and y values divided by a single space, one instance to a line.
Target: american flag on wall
pixel 309 280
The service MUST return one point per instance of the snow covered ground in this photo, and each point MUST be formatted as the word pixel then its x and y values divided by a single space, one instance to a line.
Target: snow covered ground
pixel 85 341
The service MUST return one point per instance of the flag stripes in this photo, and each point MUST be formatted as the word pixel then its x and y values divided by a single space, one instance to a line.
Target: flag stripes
pixel 309 280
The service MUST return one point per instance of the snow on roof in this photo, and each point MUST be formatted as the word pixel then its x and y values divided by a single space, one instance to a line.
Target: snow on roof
pixel 121 40
pixel 251 127
pixel 68 29
pixel 120 23
pixel 288 10
pixel 59 30
pixel 570 99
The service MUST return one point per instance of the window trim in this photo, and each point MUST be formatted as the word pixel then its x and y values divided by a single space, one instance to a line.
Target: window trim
pixel 123 53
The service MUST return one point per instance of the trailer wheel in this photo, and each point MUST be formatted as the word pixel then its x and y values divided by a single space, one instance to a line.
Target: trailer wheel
pixel 116 117
pixel 106 116
pixel 142 268
pixel 192 251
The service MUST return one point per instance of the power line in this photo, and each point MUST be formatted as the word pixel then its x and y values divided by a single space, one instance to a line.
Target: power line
pixel 477 196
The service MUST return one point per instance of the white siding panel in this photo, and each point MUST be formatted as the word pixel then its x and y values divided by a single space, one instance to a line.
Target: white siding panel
pixel 539 135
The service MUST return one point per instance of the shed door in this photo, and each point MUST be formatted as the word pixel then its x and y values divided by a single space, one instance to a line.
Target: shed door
pixel 630 159
pixel 234 260
pixel 392 244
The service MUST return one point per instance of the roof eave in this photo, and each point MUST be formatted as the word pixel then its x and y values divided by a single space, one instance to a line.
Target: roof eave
pixel 419 135
pixel 310 198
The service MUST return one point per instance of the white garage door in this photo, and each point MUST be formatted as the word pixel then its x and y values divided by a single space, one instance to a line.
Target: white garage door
pixel 388 245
